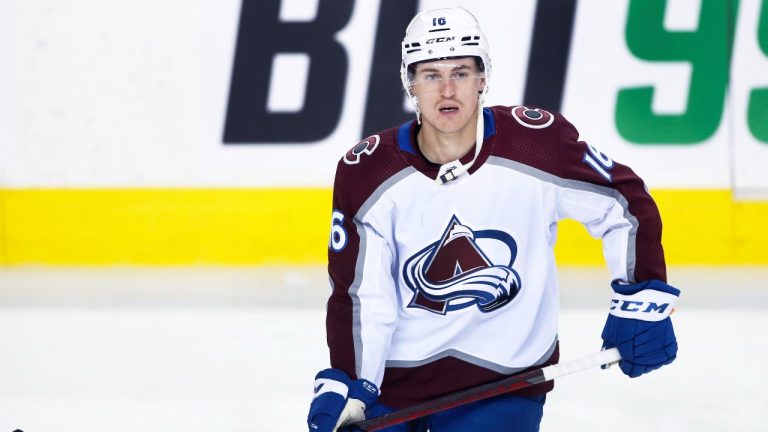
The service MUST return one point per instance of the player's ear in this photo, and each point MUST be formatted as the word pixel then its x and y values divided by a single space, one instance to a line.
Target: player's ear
pixel 481 86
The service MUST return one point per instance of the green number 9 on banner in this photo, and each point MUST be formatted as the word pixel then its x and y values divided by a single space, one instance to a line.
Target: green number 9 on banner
pixel 707 49
pixel 757 116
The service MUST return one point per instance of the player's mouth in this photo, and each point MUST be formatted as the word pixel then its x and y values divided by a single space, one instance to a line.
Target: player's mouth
pixel 448 109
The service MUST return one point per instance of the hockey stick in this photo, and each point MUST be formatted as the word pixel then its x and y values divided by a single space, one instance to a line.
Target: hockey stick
pixel 506 385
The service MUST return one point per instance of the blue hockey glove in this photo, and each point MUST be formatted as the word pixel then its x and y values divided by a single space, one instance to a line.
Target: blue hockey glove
pixel 639 326
pixel 339 400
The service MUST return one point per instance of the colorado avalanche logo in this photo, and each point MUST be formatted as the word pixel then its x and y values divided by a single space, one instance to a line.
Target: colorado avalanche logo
pixel 366 146
pixel 533 118
pixel 455 273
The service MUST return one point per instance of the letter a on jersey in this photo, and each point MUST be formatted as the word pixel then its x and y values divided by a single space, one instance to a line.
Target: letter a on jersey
pixel 455 273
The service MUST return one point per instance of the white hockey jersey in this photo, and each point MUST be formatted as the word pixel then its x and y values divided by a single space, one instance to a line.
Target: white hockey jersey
pixel 437 288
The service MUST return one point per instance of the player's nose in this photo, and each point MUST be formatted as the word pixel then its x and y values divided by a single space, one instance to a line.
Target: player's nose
pixel 448 87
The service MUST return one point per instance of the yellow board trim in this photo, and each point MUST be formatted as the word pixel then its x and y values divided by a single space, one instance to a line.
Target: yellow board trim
pixel 291 226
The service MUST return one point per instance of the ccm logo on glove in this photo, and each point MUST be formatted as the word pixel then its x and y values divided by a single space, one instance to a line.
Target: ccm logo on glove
pixel 645 305
pixel 636 306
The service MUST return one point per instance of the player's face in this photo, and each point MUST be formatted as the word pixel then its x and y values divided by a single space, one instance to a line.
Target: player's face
pixel 448 93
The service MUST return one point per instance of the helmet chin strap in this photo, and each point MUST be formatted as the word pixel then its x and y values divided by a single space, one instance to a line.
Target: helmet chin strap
pixel 452 170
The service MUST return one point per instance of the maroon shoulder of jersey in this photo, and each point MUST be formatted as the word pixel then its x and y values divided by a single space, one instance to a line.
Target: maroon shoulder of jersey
pixel 364 167
pixel 548 142
pixel 530 136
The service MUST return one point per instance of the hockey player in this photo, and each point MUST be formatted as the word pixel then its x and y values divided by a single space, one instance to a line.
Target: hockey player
pixel 441 252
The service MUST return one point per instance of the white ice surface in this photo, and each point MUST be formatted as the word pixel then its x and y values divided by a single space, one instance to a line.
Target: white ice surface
pixel 236 349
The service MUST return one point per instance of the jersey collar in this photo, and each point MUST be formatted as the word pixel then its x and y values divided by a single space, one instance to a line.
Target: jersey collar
pixel 406 132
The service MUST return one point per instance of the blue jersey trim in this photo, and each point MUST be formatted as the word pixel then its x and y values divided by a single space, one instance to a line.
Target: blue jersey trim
pixel 489 124
pixel 404 132
pixel 404 137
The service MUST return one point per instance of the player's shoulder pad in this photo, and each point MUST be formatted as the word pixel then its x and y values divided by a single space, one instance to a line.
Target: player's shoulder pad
pixel 534 122
pixel 364 167
pixel 532 136
pixel 371 150
pixel 541 131
pixel 369 163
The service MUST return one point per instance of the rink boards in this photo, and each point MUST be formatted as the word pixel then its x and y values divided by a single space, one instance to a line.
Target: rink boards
pixel 290 226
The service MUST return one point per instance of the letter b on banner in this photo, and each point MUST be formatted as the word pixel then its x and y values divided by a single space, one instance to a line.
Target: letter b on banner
pixel 260 38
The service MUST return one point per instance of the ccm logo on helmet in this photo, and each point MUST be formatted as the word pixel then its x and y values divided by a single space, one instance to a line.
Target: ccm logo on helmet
pixel 366 146
pixel 440 39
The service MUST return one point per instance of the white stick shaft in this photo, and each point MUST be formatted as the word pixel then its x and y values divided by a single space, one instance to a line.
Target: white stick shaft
pixel 608 356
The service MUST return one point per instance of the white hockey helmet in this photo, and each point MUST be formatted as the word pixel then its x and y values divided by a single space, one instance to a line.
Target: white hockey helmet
pixel 443 33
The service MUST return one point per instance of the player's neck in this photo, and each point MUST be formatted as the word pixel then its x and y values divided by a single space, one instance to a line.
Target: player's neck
pixel 442 147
